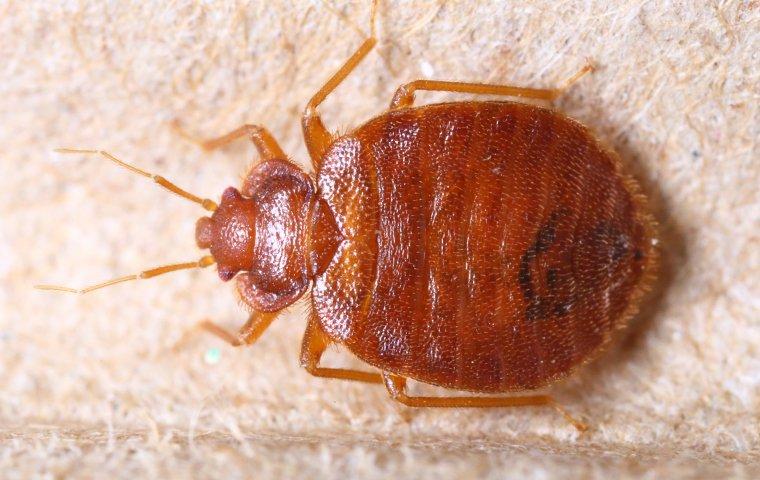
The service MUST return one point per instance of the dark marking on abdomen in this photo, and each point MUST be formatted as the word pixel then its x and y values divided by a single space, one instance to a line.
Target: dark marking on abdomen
pixel 545 238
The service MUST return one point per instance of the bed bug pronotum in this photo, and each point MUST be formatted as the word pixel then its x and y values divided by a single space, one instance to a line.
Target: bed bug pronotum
pixel 484 246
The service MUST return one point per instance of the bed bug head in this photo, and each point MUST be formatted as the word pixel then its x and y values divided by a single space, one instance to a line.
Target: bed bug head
pixel 259 235
pixel 229 233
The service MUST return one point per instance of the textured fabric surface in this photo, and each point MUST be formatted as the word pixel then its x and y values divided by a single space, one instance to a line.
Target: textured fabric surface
pixel 92 385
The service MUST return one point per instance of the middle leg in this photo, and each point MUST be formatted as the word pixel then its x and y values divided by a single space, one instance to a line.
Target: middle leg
pixel 316 136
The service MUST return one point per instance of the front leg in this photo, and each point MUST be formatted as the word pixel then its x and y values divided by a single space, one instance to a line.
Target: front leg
pixel 248 334
pixel 264 142
pixel 315 342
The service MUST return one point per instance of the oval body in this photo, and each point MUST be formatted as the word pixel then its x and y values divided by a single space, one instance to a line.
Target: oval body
pixel 486 246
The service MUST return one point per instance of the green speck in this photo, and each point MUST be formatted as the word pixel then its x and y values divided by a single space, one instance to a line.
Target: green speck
pixel 212 356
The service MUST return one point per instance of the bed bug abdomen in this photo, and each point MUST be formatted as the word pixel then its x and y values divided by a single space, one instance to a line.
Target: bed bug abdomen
pixel 489 246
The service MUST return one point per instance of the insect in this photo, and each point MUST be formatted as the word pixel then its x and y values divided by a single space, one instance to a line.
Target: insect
pixel 480 246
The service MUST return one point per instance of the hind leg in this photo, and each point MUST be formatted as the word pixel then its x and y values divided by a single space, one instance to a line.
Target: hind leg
pixel 396 386
pixel 404 96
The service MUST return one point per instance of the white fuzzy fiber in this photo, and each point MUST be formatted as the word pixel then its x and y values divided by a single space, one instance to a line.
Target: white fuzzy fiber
pixel 90 386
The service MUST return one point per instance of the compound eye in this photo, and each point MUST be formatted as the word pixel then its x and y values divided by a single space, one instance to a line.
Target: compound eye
pixel 204 232
pixel 225 273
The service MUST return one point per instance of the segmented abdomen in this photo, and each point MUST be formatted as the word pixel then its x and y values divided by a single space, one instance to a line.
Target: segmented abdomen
pixel 489 246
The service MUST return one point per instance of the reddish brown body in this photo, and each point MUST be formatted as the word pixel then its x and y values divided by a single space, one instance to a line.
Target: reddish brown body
pixel 482 246
pixel 486 246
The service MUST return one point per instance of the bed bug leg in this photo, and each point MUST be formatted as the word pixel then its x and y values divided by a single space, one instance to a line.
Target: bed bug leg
pixel 404 96
pixel 263 140
pixel 396 386
pixel 315 342
pixel 248 334
pixel 316 136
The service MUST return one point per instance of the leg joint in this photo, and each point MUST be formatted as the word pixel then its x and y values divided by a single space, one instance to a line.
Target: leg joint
pixel 404 96
pixel 310 366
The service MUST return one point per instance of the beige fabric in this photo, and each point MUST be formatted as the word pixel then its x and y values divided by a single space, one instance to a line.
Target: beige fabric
pixel 90 385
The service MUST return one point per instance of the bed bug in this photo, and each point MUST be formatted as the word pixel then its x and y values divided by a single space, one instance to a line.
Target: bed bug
pixel 480 246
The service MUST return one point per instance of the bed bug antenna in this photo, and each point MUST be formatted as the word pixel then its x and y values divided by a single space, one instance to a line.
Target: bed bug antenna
pixel 209 205
pixel 153 272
